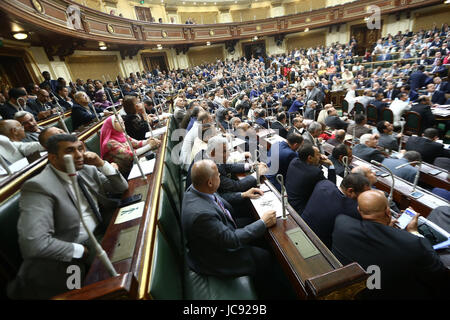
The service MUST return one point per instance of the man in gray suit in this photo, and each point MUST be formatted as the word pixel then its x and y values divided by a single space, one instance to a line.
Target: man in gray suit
pixel 313 93
pixel 216 246
pixel 51 236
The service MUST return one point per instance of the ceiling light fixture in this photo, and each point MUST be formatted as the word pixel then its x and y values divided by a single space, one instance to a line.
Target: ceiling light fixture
pixel 307 29
pixel 102 45
pixel 20 35
pixel 208 43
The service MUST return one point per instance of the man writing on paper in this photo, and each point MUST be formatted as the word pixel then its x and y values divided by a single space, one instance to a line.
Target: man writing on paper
pixel 51 235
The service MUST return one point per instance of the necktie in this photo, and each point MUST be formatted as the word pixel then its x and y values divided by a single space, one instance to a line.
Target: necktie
pixel 227 213
pixel 89 199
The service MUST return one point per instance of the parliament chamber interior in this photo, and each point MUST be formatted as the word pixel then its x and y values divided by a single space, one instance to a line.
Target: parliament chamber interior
pixel 224 150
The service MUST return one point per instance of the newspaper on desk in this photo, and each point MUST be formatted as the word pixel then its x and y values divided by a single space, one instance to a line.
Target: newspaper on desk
pixel 147 168
pixel 441 110
pixel 156 132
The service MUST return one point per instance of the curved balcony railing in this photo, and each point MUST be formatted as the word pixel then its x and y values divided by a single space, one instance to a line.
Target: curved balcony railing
pixel 90 24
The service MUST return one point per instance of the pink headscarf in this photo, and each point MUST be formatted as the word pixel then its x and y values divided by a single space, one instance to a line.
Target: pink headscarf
pixel 109 133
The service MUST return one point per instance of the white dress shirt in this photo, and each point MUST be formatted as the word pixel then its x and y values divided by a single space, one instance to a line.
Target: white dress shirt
pixel 398 107
pixel 13 151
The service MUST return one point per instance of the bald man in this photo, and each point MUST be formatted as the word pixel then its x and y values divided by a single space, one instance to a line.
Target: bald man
pixel 216 246
pixel 11 147
pixel 41 107
pixel 409 267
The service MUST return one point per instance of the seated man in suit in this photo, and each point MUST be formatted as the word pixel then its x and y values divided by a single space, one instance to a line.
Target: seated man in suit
pixel 48 132
pixel 437 97
pixel 295 106
pixel 311 110
pixel 427 146
pixel 358 128
pixel 280 156
pixel 83 112
pixel 333 121
pixel 280 125
pixel 311 136
pixel 303 174
pixel 423 108
pixel 51 235
pixel 62 94
pixel 12 149
pixel 32 130
pixel 408 172
pixel 17 102
pixel 418 79
pixel 409 266
pixel 260 114
pixel 41 108
pixel 328 201
pixel 216 244
pixel 366 149
pixel 339 137
pixel 387 138
pixel 379 104
pixel 297 126
pixel 336 157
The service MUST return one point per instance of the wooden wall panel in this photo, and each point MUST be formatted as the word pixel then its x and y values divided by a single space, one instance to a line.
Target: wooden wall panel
pixel 211 17
pixel 425 20
pixel 205 55
pixel 306 40
pixel 93 67
pixel 250 14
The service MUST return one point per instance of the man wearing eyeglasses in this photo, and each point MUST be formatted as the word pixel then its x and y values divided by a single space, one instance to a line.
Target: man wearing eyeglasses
pixel 367 148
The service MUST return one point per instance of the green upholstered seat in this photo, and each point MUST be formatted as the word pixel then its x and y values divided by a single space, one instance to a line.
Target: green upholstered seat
pixel 68 122
pixel 344 106
pixel 10 256
pixel 172 190
pixel 170 225
pixel 93 143
pixel 359 108
pixel 413 123
pixel 166 281
pixel 387 115
pixel 372 114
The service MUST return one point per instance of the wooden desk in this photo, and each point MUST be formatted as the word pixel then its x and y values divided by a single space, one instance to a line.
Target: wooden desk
pixel 403 188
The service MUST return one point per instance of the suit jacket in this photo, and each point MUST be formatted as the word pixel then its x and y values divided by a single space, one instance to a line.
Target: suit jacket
pixel 227 181
pixel 300 182
pixel 428 149
pixel 263 123
pixel 81 116
pixel 281 153
pixel 438 97
pixel 135 126
pixel 408 173
pixel 214 245
pixel 417 79
pixel 48 226
pixel 409 266
pixel 316 94
pixel 13 151
pixel 282 132
pixel 428 118
pixel 334 122
pixel 380 106
pixel 324 205
pixel 37 107
pixel 7 111
pixel 367 153
pixel 388 141
pixel 359 130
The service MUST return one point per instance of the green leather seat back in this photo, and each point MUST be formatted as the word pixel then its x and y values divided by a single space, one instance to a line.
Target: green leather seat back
pixel 413 120
pixel 166 282
pixel 173 193
pixel 344 106
pixel 202 287
pixel 69 125
pixel 93 143
pixel 359 108
pixel 387 115
pixel 169 224
pixel 372 114
pixel 9 244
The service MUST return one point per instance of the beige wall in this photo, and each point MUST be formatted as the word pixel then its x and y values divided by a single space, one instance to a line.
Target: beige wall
pixel 205 54
pixel 425 20
pixel 302 6
pixel 200 16
pixel 305 40
pixel 94 67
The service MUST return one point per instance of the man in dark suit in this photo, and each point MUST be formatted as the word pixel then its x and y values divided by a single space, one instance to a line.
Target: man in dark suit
pixel 62 96
pixel 437 97
pixel 333 121
pixel 358 128
pixel 328 201
pixel 216 244
pixel 280 125
pixel 388 139
pixel 439 69
pixel 282 153
pixel 339 138
pixel 408 265
pixel 427 146
pixel 390 92
pixel 41 108
pixel 259 118
pixel 379 104
pixel 418 78
pixel 17 100
pixel 423 108
pixel 83 112
pixel 303 174
pixel 366 149
pixel 441 85
pixel 337 155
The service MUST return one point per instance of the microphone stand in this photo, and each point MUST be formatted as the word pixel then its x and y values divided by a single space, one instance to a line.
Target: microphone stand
pixel 415 194
pixel 145 113
pixel 280 180
pixel 70 168
pixel 353 136
pixel 391 193
pixel 401 132
pixel 256 164
pixel 345 162
pixel 19 105
pixel 5 166
pixel 60 114
pixel 129 144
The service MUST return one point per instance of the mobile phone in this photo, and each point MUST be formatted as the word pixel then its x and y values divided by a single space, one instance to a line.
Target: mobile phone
pixel 130 200
pixel 405 218
pixel 381 174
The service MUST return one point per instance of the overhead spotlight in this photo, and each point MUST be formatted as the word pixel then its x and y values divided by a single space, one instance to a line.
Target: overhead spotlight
pixel 208 43
pixel 255 38
pixel 159 46
pixel 102 45
pixel 366 19
pixel 447 2
pixel 184 2
pixel 20 35
pixel 307 29
pixel 204 3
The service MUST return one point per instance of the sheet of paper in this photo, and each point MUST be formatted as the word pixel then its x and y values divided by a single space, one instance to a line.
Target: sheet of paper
pixel 156 132
pixel 274 139
pixel 269 201
pixel 18 165
pixel 131 212
pixel 147 167
pixel 237 142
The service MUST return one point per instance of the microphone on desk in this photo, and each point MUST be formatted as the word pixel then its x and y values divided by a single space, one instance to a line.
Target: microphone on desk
pixel 402 124
pixel 415 194
pixel 70 169
pixel 391 193
pixel 353 136
pixel 129 143
pixel 280 180
pixel 21 108
pixel 256 164
pixel 5 166
pixel 145 113
pixel 60 114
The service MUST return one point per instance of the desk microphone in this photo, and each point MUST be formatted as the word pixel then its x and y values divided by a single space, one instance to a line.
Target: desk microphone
pixel 415 194
pixel 345 162
pixel 391 193
pixel 256 164
pixel 280 180
pixel 70 169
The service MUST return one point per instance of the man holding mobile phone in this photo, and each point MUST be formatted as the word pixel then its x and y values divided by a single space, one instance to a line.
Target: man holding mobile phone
pixel 409 267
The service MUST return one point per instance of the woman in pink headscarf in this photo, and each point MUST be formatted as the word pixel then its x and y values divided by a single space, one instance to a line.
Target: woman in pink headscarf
pixel 114 146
